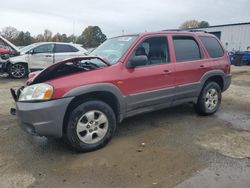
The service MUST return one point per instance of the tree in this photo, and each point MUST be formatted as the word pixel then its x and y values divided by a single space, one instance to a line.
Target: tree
pixel 203 24
pixel 72 38
pixel 91 37
pixel 39 38
pixel 57 38
pixel 189 24
pixel 10 33
pixel 23 39
pixel 65 38
pixel 47 35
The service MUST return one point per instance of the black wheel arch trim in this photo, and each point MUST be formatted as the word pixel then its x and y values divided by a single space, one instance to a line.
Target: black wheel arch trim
pixel 101 87
pixel 21 62
pixel 226 78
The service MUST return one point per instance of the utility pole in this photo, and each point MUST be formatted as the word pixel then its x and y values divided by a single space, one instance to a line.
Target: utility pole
pixel 73 31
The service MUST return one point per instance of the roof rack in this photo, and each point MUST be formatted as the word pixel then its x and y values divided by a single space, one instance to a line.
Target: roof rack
pixel 188 30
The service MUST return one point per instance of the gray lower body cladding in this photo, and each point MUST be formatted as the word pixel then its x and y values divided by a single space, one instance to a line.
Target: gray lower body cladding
pixel 162 98
pixel 43 118
pixel 227 82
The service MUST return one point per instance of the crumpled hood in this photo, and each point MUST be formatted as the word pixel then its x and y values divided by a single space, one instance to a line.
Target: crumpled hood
pixel 12 46
pixel 50 72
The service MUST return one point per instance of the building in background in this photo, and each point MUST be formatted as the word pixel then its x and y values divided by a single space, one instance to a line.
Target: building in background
pixel 234 37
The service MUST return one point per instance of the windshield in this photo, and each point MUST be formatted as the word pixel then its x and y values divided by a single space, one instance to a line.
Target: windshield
pixel 27 48
pixel 113 49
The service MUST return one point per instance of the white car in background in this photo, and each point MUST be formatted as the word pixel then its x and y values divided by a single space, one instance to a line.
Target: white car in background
pixel 41 55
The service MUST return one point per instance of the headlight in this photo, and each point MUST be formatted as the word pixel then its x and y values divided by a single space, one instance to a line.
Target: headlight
pixel 36 92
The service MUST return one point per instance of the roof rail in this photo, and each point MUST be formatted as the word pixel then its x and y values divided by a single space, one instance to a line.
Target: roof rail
pixel 188 30
pixel 172 30
pixel 197 30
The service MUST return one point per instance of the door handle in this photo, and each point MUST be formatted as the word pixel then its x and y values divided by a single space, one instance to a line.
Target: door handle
pixel 202 66
pixel 167 71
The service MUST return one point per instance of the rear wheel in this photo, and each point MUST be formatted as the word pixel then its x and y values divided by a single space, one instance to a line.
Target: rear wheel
pixel 209 99
pixel 18 70
pixel 91 125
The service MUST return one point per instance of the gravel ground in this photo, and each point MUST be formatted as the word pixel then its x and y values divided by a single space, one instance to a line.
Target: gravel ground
pixel 167 148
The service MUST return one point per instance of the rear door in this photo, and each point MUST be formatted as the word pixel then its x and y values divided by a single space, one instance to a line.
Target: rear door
pixel 190 66
pixel 63 51
pixel 41 57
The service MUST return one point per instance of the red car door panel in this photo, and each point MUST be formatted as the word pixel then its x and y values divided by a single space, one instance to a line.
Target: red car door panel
pixel 149 85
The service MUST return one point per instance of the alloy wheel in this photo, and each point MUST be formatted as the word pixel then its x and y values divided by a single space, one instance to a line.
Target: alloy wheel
pixel 211 99
pixel 17 71
pixel 92 127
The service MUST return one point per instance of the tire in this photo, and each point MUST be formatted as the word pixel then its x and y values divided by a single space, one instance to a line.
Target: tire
pixel 90 126
pixel 209 100
pixel 18 70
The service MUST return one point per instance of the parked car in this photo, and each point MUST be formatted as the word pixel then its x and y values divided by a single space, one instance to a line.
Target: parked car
pixel 82 99
pixel 7 49
pixel 240 58
pixel 41 55
pixel 246 58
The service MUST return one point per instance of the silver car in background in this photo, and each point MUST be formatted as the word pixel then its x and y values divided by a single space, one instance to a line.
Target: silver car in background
pixel 40 55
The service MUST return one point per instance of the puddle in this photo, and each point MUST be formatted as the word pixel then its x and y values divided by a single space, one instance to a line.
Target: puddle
pixel 239 120
pixel 219 177
pixel 226 141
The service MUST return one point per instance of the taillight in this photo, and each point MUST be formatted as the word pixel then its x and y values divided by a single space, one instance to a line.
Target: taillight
pixel 228 69
pixel 228 65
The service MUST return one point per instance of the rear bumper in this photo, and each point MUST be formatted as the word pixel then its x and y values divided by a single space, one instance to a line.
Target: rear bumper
pixel 43 118
pixel 227 82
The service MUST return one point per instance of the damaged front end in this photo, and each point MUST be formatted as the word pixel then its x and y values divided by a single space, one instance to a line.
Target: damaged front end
pixel 15 95
pixel 67 67
pixel 38 113
pixel 63 68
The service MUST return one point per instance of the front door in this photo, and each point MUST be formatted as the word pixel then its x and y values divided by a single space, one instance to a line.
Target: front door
pixel 150 84
pixel 41 57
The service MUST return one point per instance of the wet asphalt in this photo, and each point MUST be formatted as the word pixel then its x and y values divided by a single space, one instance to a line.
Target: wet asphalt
pixel 174 147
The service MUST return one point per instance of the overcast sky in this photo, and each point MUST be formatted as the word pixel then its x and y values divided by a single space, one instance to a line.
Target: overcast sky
pixel 113 16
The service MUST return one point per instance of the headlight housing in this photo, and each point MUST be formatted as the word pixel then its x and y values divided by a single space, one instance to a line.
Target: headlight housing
pixel 36 92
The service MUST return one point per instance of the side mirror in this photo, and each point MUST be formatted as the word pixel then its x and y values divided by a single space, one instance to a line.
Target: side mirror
pixel 31 52
pixel 136 61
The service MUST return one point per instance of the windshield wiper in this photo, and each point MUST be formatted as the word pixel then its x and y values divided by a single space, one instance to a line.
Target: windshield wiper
pixel 90 64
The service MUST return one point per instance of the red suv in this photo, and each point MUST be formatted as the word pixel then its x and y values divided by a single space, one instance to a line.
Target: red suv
pixel 82 99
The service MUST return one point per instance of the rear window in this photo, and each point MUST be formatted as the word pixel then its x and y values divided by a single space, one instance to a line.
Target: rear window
pixel 61 48
pixel 186 49
pixel 213 47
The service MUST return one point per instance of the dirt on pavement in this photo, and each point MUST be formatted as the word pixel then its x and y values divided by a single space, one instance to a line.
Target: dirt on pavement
pixel 167 148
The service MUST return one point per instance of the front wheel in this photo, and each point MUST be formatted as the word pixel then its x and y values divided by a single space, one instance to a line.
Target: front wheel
pixel 18 70
pixel 91 126
pixel 209 99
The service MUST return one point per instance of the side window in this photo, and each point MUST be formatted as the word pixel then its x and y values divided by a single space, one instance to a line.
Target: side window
pixel 46 48
pixel 155 48
pixel 62 48
pixel 186 49
pixel 213 47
